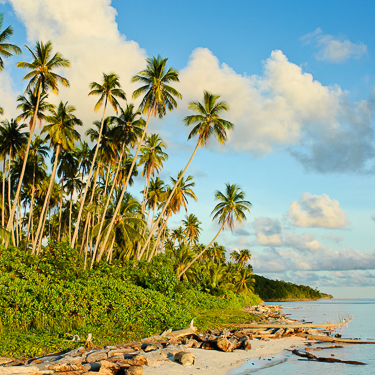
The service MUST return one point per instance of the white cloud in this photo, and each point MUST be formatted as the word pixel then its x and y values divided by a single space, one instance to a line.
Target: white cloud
pixel 317 211
pixel 303 242
pixel 268 231
pixel 286 108
pixel 8 96
pixel 334 49
pixel 86 33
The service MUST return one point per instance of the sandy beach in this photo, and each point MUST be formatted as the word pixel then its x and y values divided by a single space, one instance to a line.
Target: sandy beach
pixel 212 362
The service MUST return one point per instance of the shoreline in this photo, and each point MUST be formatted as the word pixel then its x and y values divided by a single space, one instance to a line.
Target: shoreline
pixel 213 362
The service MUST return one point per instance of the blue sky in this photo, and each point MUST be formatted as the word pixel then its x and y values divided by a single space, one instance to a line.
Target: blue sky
pixel 299 78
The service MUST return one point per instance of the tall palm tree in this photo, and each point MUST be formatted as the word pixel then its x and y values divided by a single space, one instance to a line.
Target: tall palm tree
pixel 217 253
pixel 28 105
pixel 179 200
pixel 192 228
pixel 158 97
pixel 108 91
pixel 206 121
pixel 231 208
pixel 13 141
pixel 244 257
pixel 83 155
pixel 42 78
pixel 38 152
pixel 6 49
pixel 128 128
pixel 152 158
pixel 178 235
pixel 62 135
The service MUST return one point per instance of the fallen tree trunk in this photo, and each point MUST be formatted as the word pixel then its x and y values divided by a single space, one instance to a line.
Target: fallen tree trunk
pixel 333 339
pixel 312 357
pixel 300 325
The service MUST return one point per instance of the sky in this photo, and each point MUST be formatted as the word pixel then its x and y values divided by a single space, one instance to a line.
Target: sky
pixel 299 78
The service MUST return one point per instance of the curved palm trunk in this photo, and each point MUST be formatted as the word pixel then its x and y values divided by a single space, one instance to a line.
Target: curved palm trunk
pixel 106 205
pixel 201 253
pixel 123 190
pixel 70 215
pixel 31 209
pixel 168 200
pixel 39 232
pixel 61 204
pixel 3 197
pixel 81 203
pixel 11 215
pixel 156 244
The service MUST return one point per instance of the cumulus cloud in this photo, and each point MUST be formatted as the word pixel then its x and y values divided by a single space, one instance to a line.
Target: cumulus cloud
pixel 322 259
pixel 286 108
pixel 334 49
pixel 8 95
pixel 86 33
pixel 305 241
pixel 268 231
pixel 317 211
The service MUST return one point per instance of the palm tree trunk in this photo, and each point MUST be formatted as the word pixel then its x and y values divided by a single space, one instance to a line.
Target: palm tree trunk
pixel 107 203
pixel 168 200
pixel 39 232
pixel 3 197
pixel 158 238
pixel 11 215
pixel 81 203
pixel 109 256
pixel 84 234
pixel 61 203
pixel 200 254
pixel 123 190
pixel 70 215
pixel 9 181
pixel 31 209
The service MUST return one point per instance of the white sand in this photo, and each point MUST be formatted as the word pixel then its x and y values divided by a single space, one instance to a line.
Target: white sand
pixel 212 362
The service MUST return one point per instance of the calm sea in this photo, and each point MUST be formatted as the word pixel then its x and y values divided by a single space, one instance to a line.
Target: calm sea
pixel 362 326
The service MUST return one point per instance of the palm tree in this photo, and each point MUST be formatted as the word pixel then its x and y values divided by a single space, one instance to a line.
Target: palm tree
pixel 38 151
pixel 12 142
pixel 128 127
pixel 41 78
pixel 182 192
pixel 158 97
pixel 83 155
pixel 192 228
pixel 206 121
pixel 28 105
pixel 231 208
pixel 62 135
pixel 109 90
pixel 6 49
pixel 244 281
pixel 152 157
pixel 217 253
pixel 244 257
pixel 178 235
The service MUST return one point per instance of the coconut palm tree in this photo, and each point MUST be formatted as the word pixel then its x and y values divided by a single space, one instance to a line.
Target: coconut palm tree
pixel 244 281
pixel 6 49
pixel 62 135
pixel 83 155
pixel 152 159
pixel 244 257
pixel 179 200
pixel 158 97
pixel 206 121
pixel 178 235
pixel 12 142
pixel 231 208
pixel 108 91
pixel 28 105
pixel 192 228
pixel 42 78
pixel 217 253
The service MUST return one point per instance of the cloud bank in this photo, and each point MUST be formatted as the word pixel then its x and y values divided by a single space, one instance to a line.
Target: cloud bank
pixel 317 211
pixel 334 49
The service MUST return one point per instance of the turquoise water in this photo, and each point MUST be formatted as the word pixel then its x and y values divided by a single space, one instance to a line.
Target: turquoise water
pixel 362 326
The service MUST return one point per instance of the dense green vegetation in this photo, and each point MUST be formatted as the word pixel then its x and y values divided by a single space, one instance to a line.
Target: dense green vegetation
pixel 43 298
pixel 278 290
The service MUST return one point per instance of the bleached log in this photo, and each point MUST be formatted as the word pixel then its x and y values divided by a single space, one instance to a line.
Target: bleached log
pixel 333 339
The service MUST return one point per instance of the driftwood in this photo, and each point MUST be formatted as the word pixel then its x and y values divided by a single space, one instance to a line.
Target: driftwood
pixel 324 347
pixel 333 339
pixel 185 358
pixel 300 325
pixel 312 357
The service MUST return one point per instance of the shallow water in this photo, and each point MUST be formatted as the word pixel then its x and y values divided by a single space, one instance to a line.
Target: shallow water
pixel 362 326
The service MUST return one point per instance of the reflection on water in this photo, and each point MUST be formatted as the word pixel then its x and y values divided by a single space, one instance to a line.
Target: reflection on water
pixel 362 327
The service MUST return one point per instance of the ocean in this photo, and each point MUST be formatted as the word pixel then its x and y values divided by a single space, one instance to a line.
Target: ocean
pixel 362 327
